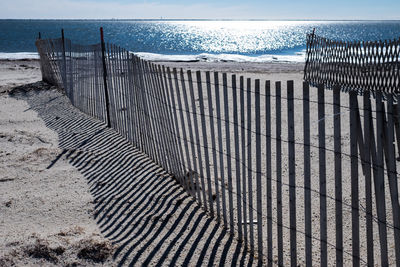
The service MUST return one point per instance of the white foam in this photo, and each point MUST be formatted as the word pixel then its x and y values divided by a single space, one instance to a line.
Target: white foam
pixel 19 55
pixel 204 57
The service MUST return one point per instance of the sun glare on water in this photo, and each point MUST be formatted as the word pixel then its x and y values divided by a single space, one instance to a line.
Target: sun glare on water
pixel 239 36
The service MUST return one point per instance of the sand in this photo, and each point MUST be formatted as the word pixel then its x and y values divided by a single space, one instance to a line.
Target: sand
pixel 45 210
pixel 17 72
pixel 68 183
pixel 76 193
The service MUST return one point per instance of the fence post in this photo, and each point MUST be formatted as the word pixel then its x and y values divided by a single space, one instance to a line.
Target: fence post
pixel 64 74
pixel 292 174
pixel 338 176
pixel 258 173
pixel 355 224
pixel 40 36
pixel 105 77
pixel 308 51
pixel 307 174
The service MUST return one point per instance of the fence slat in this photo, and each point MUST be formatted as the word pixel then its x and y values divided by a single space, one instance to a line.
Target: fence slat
pixel 139 103
pixel 322 175
pixel 135 111
pixel 119 90
pixel 269 169
pixel 220 147
pixel 237 158
pixel 338 175
pixel 127 104
pixel 258 171
pixel 243 149
pixel 250 164
pixel 213 142
pixel 228 151
pixel 278 101
pixel 292 174
pixel 307 174
pixel 115 87
pixel 132 104
pixel 355 228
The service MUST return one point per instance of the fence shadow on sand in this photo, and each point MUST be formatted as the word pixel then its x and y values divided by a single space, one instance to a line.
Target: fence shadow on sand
pixel 146 214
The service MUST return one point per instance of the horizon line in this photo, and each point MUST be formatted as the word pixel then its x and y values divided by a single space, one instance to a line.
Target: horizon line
pixel 196 19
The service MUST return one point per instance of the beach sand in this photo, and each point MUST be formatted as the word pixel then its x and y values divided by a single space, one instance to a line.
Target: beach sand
pixel 46 210
pixel 17 72
pixel 101 188
pixel 76 193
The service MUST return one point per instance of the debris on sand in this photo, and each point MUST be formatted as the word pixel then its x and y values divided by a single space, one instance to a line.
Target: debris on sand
pixel 96 251
pixel 70 247
pixel 42 250
pixel 37 86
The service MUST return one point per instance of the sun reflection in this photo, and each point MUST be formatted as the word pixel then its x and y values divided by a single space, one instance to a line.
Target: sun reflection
pixel 238 36
pixel 248 38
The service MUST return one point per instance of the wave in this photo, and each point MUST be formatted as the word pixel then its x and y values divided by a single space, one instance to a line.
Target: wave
pixel 19 55
pixel 204 57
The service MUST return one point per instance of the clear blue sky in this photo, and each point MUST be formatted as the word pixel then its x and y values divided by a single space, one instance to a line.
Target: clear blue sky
pixel 217 9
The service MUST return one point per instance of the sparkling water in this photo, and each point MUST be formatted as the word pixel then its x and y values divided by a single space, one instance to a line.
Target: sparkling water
pixel 195 39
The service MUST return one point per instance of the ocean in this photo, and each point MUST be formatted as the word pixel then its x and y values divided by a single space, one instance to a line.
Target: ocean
pixel 206 40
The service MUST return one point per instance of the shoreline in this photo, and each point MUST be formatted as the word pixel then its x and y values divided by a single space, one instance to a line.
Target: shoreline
pixel 295 56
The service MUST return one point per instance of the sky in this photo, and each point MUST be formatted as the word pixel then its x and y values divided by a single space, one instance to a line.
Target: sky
pixel 205 9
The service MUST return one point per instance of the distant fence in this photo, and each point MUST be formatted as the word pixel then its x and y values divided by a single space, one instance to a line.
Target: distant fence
pixel 298 174
pixel 373 66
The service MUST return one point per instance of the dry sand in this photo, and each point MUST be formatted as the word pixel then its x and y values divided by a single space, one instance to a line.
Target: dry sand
pixel 101 190
pixel 45 213
pixel 17 72
pixel 73 192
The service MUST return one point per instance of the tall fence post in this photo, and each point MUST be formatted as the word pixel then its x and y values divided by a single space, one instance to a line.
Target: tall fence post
pixel 105 77
pixel 39 36
pixel 308 51
pixel 64 71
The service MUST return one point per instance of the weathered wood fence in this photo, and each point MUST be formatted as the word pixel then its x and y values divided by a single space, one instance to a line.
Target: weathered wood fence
pixel 358 65
pixel 301 174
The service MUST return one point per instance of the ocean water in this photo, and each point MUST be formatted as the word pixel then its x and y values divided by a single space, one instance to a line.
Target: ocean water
pixel 208 40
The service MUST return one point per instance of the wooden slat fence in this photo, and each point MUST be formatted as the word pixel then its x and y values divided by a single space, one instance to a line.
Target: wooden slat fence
pixel 303 175
pixel 357 65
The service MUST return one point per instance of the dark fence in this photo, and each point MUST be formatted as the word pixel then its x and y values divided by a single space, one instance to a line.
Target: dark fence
pixel 302 175
pixel 360 66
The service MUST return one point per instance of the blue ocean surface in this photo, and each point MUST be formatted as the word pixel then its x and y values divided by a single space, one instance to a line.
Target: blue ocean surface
pixel 207 40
